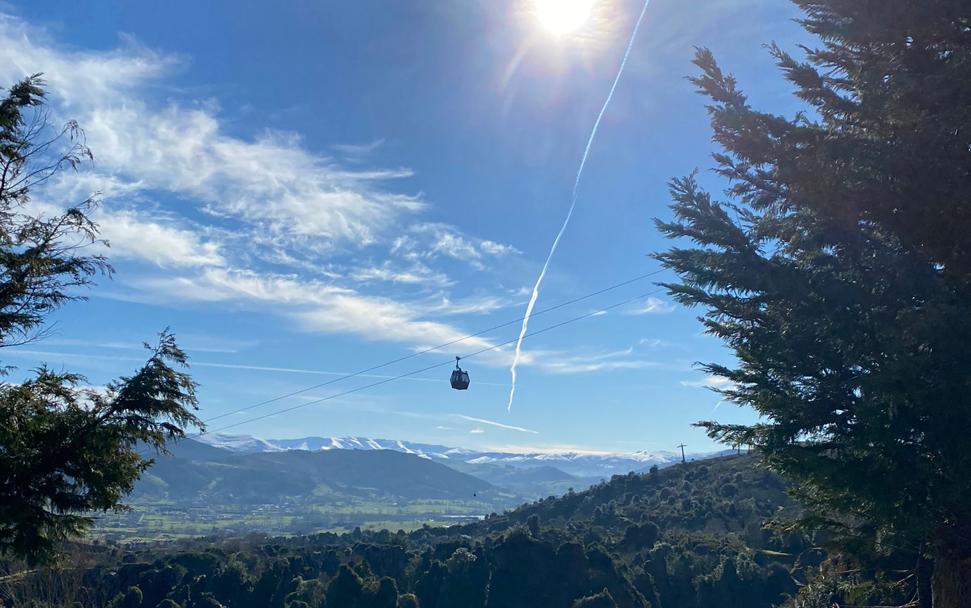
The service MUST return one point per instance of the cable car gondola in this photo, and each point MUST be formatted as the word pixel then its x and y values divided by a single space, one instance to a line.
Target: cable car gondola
pixel 460 377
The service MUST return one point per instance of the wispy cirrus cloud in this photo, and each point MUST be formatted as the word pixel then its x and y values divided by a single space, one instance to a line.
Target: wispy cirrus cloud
pixel 179 147
pixel 711 382
pixel 425 241
pixel 357 152
pixel 58 356
pixel 272 184
pixel 653 306
pixel 133 235
pixel 415 273
pixel 261 222
pixel 558 449
pixel 493 423
pixel 182 147
pixel 476 304
pixel 314 305
pixel 266 223
pixel 587 361
pixel 192 342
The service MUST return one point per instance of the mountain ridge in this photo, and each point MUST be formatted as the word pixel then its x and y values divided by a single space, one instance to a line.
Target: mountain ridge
pixel 196 472
pixel 574 463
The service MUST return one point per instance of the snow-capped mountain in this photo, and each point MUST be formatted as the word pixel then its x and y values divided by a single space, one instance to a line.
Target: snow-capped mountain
pixel 579 464
pixel 247 444
pixel 242 444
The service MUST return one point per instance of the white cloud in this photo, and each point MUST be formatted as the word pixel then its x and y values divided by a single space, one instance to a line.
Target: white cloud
pixel 433 240
pixel 147 235
pixel 495 424
pixel 715 382
pixel 314 305
pixel 654 306
pixel 256 222
pixel 191 342
pixel 81 79
pixel 133 236
pixel 323 307
pixel 470 305
pixel 563 449
pixel 559 363
pixel 477 431
pixel 414 274
pixel 497 249
pixel 387 318
pixel 272 182
pixel 55 356
pixel 357 151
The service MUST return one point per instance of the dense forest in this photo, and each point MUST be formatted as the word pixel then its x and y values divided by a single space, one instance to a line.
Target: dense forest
pixel 688 536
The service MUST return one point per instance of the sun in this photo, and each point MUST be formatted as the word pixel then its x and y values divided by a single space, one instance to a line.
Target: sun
pixel 561 17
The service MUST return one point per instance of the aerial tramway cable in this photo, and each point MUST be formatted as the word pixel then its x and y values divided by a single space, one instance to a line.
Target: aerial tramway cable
pixel 588 315
pixel 434 348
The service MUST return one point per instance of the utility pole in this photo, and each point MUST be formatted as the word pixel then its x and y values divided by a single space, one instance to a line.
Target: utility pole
pixel 682 446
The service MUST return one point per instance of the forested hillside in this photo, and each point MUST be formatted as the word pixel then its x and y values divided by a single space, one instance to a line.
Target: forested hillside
pixel 690 536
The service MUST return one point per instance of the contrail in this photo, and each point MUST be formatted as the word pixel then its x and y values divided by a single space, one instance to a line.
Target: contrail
pixel 573 204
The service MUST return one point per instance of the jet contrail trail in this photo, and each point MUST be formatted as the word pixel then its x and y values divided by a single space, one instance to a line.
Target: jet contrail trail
pixel 573 204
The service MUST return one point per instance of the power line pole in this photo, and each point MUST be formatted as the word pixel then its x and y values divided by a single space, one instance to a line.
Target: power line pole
pixel 682 446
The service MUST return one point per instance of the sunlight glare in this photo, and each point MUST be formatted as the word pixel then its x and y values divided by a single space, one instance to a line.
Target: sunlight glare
pixel 561 17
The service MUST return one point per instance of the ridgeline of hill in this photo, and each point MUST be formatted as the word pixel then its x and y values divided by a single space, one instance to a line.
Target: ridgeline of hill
pixel 689 536
pixel 210 475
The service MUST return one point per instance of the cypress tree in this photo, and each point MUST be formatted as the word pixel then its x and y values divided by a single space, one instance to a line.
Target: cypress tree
pixel 838 270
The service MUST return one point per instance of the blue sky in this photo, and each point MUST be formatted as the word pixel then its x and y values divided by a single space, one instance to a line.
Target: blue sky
pixel 306 188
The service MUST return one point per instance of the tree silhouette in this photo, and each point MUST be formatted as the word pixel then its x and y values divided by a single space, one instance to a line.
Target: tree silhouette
pixel 65 450
pixel 839 273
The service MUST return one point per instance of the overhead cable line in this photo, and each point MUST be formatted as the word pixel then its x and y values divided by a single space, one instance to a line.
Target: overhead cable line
pixel 434 348
pixel 588 315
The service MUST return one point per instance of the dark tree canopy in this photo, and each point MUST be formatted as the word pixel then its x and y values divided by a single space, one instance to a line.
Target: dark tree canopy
pixel 65 451
pixel 41 258
pixel 839 270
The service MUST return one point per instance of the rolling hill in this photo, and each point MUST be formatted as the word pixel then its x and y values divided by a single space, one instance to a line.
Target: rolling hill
pixel 197 473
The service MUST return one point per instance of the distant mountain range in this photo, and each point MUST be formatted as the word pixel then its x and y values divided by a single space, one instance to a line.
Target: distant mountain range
pixel 576 465
pixel 199 473
pixel 238 483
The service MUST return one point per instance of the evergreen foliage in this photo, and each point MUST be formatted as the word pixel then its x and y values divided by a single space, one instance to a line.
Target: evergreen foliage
pixel 65 451
pixel 707 551
pixel 41 258
pixel 838 271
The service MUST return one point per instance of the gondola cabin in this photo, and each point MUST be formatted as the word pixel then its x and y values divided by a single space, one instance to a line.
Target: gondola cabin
pixel 460 378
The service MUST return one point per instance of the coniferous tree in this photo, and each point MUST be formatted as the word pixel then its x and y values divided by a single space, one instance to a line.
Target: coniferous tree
pixel 65 451
pixel 839 272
